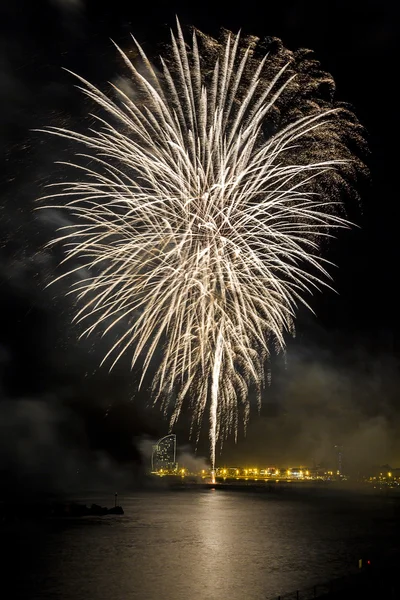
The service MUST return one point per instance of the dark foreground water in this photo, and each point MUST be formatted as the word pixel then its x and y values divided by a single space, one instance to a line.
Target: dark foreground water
pixel 200 545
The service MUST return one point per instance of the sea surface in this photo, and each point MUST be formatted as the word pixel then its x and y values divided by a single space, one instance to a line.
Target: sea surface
pixel 196 544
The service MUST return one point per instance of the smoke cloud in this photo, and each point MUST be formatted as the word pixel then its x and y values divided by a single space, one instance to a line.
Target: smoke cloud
pixel 194 464
pixel 185 456
pixel 319 399
pixel 44 447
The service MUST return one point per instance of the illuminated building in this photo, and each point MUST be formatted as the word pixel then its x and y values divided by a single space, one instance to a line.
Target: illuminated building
pixel 164 454
pixel 339 460
pixel 296 472
pixel 269 471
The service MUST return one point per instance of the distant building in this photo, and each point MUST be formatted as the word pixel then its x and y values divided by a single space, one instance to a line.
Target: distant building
pixel 164 454
pixel 339 460
pixel 271 471
pixel 296 472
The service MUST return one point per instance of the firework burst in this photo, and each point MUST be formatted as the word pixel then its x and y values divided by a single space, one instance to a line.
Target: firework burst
pixel 199 214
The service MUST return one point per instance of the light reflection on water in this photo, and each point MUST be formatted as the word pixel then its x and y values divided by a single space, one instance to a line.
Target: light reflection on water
pixel 198 545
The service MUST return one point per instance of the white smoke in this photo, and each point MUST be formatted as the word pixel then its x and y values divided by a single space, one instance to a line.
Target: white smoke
pixel 186 459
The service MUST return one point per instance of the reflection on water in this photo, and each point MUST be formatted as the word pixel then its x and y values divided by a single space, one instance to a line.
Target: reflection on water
pixel 196 545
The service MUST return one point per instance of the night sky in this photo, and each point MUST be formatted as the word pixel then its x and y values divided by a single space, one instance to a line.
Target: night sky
pixel 339 384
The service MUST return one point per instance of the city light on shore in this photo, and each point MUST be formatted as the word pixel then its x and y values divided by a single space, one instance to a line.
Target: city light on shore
pixel 227 473
pixel 165 463
pixel 380 481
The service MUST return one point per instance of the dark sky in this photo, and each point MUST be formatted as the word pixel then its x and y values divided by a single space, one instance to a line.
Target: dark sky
pixel 340 381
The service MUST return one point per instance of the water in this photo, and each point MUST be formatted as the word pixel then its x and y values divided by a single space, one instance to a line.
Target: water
pixel 196 545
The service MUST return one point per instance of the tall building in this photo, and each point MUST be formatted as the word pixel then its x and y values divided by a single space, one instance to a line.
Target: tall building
pixel 339 459
pixel 164 454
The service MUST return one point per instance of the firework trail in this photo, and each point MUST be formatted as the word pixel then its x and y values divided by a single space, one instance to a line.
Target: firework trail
pixel 199 211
